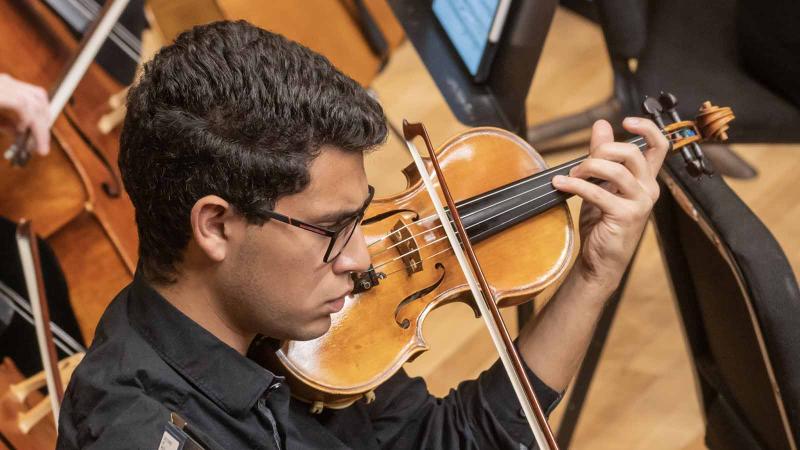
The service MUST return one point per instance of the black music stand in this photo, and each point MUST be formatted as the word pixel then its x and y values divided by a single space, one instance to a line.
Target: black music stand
pixel 500 100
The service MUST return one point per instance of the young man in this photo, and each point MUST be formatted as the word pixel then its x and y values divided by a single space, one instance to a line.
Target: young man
pixel 229 124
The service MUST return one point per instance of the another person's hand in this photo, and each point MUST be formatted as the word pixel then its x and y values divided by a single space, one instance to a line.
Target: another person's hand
pixel 613 215
pixel 30 104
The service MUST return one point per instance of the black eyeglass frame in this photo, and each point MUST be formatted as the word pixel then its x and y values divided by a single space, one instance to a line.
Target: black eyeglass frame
pixel 333 235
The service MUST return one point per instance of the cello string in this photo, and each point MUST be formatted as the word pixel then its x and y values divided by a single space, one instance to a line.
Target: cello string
pixel 63 340
pixel 119 28
pixel 472 213
pixel 120 35
pixel 90 10
pixel 534 178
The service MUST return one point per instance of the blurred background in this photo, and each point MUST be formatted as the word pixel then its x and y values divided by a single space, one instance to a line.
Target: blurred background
pixel 585 60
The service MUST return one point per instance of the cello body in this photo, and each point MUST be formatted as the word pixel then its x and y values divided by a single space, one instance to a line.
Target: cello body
pixel 74 195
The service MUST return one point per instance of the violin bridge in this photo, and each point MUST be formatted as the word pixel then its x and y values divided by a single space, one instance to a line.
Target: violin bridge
pixel 406 245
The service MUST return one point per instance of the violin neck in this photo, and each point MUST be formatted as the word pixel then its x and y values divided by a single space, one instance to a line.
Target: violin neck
pixel 499 209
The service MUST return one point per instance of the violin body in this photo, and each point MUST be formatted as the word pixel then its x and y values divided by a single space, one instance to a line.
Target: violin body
pixel 380 329
pixel 74 195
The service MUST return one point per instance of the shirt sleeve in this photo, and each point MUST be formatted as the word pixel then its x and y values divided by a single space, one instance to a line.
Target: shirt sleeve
pixel 480 413
pixel 118 420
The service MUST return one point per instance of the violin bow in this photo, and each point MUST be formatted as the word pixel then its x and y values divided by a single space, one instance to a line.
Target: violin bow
pixel 34 282
pixel 92 40
pixel 480 289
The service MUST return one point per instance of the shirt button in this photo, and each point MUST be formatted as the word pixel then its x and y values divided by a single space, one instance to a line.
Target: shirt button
pixel 272 388
pixel 522 413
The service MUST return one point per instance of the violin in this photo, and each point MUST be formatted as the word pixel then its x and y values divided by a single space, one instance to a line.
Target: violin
pixel 75 194
pixel 513 217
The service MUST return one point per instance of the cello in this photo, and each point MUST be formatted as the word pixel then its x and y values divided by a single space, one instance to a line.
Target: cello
pixel 75 195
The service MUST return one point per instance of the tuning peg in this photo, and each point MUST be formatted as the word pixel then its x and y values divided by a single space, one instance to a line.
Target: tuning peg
pixel 654 109
pixel 694 167
pixel 652 106
pixel 668 101
pixel 707 170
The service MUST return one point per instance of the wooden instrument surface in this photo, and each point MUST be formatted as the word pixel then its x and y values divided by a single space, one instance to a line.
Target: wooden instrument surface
pixel 66 193
pixel 366 343
pixel 42 435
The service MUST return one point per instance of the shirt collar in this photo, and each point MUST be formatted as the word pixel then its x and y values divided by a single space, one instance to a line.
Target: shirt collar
pixel 229 379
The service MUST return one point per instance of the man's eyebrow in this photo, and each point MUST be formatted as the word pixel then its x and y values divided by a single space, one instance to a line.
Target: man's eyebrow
pixel 337 216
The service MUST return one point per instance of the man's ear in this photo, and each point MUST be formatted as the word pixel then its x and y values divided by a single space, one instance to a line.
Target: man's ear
pixel 213 220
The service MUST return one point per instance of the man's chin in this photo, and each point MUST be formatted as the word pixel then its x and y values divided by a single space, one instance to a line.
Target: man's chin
pixel 313 330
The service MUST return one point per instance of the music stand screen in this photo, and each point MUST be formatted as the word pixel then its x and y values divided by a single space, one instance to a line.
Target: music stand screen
pixel 473 27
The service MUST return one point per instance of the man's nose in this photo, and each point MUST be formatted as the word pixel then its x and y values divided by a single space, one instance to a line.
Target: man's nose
pixel 355 255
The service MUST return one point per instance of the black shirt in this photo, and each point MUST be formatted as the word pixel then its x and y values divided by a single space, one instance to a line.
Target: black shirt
pixel 148 359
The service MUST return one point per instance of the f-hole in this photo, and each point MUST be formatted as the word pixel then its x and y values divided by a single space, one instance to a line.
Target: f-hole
pixel 416 296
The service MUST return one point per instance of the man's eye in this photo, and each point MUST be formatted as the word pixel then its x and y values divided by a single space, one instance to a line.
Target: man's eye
pixel 335 226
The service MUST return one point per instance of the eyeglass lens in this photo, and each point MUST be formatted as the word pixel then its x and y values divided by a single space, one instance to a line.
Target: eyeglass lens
pixel 342 238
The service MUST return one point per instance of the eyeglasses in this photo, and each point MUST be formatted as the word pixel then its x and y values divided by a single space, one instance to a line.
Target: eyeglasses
pixel 339 237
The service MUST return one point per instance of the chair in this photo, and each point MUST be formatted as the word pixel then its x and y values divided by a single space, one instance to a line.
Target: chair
pixel 688 48
pixel 740 307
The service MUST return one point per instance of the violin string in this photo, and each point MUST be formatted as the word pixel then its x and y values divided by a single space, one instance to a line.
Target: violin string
pixel 476 212
pixel 424 259
pixel 534 178
pixel 60 338
pixel 450 248
pixel 473 213
pixel 476 224
pixel 406 267
pixel 467 228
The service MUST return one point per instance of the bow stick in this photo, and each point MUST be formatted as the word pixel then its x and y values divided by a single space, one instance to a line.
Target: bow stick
pixel 480 289
pixel 93 39
pixel 34 283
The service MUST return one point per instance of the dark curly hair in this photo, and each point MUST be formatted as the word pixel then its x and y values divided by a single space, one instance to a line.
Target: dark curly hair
pixel 236 111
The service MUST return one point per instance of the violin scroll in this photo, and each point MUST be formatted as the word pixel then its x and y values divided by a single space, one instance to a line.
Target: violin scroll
pixel 684 135
pixel 713 121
